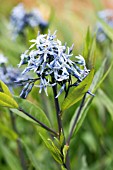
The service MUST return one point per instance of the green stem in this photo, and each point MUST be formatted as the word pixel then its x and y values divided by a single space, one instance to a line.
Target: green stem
pixel 76 119
pixel 59 120
pixel 58 112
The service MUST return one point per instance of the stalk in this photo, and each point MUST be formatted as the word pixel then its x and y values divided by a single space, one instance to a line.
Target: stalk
pixel 58 112
pixel 59 120
pixel 76 119
pixel 20 150
pixel 40 123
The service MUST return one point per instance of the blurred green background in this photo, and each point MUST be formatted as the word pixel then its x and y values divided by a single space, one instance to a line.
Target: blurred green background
pixel 92 147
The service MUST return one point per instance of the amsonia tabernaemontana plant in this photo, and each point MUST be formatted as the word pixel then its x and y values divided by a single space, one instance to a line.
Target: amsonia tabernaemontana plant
pixel 49 63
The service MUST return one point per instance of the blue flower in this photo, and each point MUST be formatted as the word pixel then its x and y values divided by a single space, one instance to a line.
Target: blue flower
pixel 9 75
pixel 34 19
pixel 20 19
pixel 50 61
pixel 17 19
pixel 106 16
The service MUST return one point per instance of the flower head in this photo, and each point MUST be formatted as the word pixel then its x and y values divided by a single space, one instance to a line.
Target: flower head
pixel 106 16
pixel 17 19
pixel 9 75
pixel 20 19
pixel 50 61
pixel 34 19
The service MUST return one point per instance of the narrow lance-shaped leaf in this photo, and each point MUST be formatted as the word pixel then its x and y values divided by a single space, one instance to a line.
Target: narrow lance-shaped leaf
pixel 87 44
pixel 5 89
pixel 98 79
pixel 106 101
pixel 62 168
pixel 7 101
pixel 10 157
pixel 6 98
pixel 76 93
pixel 53 149
pixel 92 56
pixel 65 150
pixel 8 133
pixel 32 109
pixel 89 49
pixel 100 76
pixel 31 156
pixel 107 29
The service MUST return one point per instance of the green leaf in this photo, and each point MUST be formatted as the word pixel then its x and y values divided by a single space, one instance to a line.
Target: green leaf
pixel 90 141
pixel 107 29
pixel 87 44
pixel 89 49
pixel 106 102
pixel 97 80
pixel 32 109
pixel 76 93
pixel 7 101
pixel 65 150
pixel 5 131
pixel 91 57
pixel 62 168
pixel 10 157
pixel 100 75
pixel 53 149
pixel 60 141
pixel 31 156
pixel 81 117
pixel 5 89
pixel 84 164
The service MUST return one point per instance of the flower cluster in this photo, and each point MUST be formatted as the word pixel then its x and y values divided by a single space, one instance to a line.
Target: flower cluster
pixel 50 60
pixel 106 16
pixel 20 19
pixel 9 75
